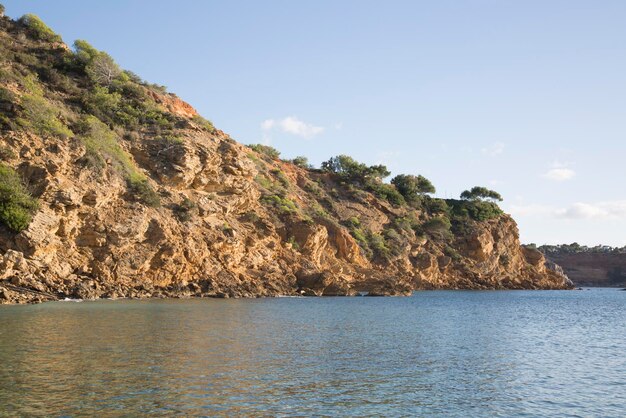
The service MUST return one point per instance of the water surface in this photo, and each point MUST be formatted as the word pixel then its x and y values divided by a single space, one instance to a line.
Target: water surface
pixel 518 353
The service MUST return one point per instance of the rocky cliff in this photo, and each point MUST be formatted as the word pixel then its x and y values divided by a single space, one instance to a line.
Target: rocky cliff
pixel 605 269
pixel 135 195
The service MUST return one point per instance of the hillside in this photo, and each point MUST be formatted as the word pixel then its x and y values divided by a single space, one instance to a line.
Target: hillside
pixel 112 187
pixel 590 266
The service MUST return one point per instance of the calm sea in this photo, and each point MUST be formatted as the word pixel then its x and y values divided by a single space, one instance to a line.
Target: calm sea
pixel 452 353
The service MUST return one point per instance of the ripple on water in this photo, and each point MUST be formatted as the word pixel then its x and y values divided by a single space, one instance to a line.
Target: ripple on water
pixel 558 353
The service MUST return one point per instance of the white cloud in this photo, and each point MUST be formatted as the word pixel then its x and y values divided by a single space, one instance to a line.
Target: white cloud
pixel 494 149
pixel 559 174
pixel 608 210
pixel 600 210
pixel 292 125
pixel 582 211
pixel 268 124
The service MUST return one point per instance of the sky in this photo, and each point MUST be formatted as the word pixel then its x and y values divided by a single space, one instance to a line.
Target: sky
pixel 525 97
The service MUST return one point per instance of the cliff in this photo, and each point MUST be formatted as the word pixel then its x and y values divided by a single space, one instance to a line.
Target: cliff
pixel 592 268
pixel 129 193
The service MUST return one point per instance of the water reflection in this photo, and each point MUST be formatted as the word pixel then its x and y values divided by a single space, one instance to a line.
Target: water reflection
pixel 447 353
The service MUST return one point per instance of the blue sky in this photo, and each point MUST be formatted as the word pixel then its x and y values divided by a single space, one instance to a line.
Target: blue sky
pixel 527 97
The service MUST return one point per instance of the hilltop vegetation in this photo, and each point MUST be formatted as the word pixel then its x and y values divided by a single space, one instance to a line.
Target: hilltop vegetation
pixel 576 248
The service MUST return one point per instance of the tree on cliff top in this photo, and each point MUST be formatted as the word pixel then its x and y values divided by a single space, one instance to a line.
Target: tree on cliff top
pixel 352 170
pixel 481 193
pixel 412 187
pixel 98 65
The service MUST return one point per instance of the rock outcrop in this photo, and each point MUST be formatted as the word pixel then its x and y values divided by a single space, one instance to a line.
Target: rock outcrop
pixel 231 222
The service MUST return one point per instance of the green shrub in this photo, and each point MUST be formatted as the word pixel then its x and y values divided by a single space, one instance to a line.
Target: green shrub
pixel 301 162
pixel 157 88
pixel 292 241
pixel 377 244
pixel 387 192
pixel 102 103
pixel 31 84
pixel 152 115
pixel 57 80
pixel 353 171
pixel 141 190
pixel 406 223
pixel 452 253
pixel 483 211
pixel 250 216
pixel 264 182
pixel 353 222
pixel 266 150
pixel 435 206
pixel 394 241
pixel 84 53
pixel 282 179
pixel 6 153
pixel 313 188
pixel 361 238
pixel 204 123
pixel 317 211
pixel 38 29
pixel 102 143
pixel 477 210
pixel 438 226
pixel 282 204
pixel 17 206
pixel 42 117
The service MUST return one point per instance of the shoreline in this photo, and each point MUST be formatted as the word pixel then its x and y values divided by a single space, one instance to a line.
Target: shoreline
pixel 55 298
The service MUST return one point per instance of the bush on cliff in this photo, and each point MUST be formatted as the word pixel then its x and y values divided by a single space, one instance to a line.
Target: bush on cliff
pixel 477 210
pixel 282 204
pixel 99 66
pixel 302 162
pixel 141 190
pixel 266 150
pixel 38 29
pixel 101 144
pixel 354 173
pixel 16 204
pixel 350 170
pixel 435 206
pixel 386 192
pixel 204 123
pixel 42 117
pixel 438 227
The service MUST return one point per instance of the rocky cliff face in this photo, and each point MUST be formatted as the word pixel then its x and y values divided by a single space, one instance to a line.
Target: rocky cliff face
pixel 592 268
pixel 140 197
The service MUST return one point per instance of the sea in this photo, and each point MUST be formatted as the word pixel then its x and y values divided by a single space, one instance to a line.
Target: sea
pixel 436 354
